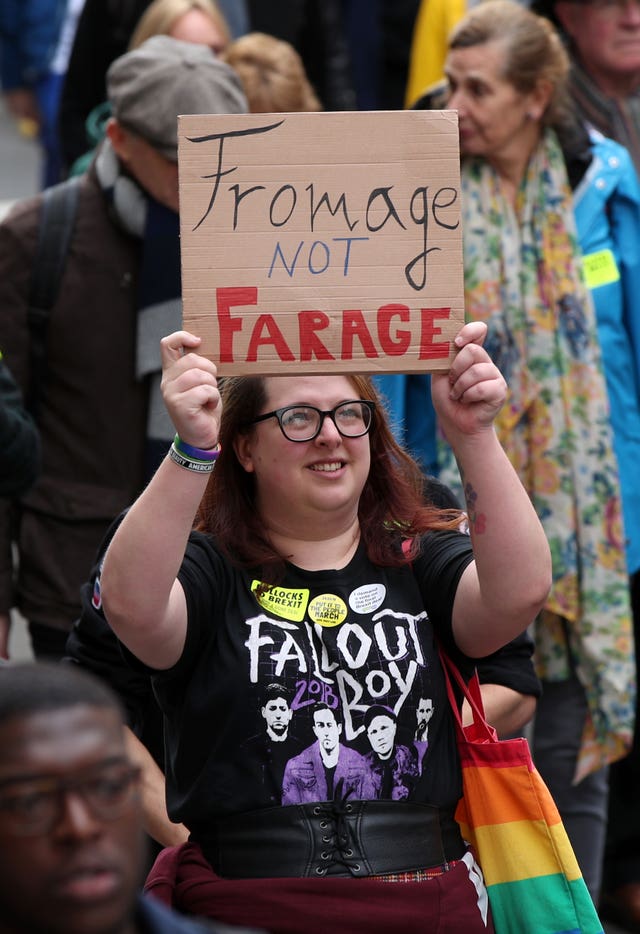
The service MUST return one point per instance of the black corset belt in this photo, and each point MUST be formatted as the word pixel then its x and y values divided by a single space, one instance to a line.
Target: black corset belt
pixel 336 838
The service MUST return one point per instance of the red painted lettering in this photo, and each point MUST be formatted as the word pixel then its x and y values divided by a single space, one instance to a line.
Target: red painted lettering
pixel 354 325
pixel 310 344
pixel 226 299
pixel 265 332
pixel 399 346
pixel 429 349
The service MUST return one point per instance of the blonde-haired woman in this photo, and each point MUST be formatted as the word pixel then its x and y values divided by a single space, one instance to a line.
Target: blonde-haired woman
pixel 200 21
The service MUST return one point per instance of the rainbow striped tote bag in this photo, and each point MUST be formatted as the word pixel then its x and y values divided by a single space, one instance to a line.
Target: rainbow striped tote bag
pixel 508 815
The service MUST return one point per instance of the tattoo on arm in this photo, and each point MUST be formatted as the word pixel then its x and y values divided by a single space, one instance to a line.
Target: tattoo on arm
pixel 477 520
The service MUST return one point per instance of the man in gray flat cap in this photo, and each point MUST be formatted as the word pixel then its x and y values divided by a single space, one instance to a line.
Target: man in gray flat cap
pixel 91 364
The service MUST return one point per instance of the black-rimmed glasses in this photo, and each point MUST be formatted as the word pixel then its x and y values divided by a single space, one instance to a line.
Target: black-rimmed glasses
pixel 33 806
pixel 304 422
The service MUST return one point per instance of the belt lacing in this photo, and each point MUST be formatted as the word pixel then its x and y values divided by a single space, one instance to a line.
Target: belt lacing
pixel 336 836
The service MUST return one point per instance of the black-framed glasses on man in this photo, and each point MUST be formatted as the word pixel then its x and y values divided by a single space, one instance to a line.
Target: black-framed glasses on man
pixel 304 422
pixel 33 806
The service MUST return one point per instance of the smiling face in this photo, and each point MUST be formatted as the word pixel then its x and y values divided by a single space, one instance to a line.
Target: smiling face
pixel 606 38
pixel 82 875
pixel 315 481
pixel 496 121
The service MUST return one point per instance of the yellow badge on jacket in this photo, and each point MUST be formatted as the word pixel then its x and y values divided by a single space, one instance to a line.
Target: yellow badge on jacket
pixel 600 269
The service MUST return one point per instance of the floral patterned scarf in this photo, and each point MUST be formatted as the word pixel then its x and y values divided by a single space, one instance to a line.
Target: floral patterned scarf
pixel 522 276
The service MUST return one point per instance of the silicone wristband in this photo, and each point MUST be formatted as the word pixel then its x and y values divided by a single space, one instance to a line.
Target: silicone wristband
pixel 197 454
pixel 197 466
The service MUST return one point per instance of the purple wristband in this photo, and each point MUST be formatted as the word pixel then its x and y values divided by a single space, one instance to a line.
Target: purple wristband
pixel 198 454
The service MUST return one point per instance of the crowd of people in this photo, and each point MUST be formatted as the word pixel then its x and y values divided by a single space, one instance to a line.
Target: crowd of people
pixel 493 510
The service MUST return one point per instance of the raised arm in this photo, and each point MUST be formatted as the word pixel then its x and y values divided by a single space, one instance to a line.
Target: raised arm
pixel 141 597
pixel 503 590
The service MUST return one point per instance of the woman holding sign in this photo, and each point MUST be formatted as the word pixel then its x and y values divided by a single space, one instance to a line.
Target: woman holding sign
pixel 294 609
pixel 525 276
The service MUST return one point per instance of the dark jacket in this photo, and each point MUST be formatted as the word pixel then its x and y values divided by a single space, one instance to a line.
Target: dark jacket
pixel 317 30
pixel 19 439
pixel 103 33
pixel 92 411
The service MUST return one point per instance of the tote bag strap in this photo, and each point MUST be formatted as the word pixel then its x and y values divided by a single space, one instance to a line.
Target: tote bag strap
pixel 481 730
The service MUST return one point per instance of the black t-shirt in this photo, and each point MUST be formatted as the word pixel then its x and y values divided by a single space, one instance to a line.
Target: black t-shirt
pixel 338 642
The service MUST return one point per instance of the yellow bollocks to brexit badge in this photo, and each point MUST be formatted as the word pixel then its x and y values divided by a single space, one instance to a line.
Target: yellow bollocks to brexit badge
pixel 287 602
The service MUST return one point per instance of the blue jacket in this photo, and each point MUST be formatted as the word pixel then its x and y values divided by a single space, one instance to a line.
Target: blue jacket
pixel 607 211
pixel 29 31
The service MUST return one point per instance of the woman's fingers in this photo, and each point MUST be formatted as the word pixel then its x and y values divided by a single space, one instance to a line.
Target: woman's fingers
pixel 469 397
pixel 173 346
pixel 474 332
pixel 474 368
pixel 178 359
pixel 190 389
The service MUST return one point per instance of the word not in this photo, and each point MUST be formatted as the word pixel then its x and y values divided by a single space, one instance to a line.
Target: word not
pixel 318 256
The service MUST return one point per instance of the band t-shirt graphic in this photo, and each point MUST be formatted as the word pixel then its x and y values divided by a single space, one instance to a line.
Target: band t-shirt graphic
pixel 312 689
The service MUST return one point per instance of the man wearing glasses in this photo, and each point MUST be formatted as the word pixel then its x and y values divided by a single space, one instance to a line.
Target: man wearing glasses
pixel 71 841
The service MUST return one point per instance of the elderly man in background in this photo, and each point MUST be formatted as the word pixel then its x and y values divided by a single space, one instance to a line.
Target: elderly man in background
pixel 603 38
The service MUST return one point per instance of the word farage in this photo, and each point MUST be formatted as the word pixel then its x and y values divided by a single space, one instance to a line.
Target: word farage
pixel 391 331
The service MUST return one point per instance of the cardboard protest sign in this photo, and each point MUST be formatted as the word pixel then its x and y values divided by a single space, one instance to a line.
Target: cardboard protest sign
pixel 322 242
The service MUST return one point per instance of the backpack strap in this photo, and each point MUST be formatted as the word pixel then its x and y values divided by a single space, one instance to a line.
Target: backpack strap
pixel 59 207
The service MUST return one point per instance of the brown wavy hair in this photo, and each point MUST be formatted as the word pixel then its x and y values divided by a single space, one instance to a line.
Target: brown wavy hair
pixel 392 504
